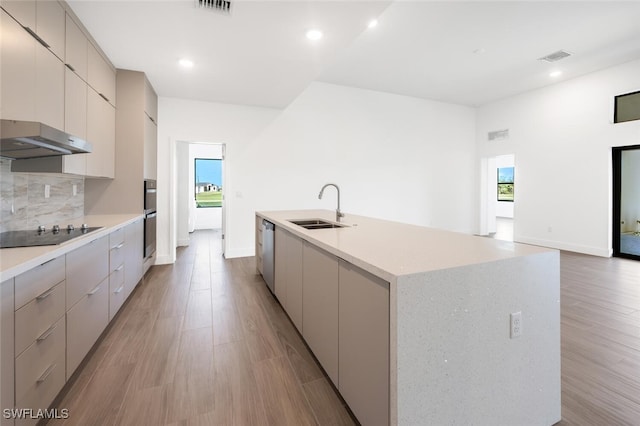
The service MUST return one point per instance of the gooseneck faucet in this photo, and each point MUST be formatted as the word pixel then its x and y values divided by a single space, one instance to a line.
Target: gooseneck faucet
pixel 339 214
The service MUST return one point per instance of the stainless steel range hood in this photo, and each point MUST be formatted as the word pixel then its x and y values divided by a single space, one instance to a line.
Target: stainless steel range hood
pixel 29 139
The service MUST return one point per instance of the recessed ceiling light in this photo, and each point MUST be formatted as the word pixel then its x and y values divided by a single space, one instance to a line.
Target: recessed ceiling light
pixel 373 23
pixel 555 74
pixel 314 34
pixel 186 63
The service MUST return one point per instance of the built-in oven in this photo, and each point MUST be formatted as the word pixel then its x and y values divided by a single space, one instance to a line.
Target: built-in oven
pixel 150 191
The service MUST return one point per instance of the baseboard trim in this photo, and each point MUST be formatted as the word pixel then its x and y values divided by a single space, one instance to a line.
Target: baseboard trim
pixel 183 243
pixel 245 252
pixel 164 260
pixel 594 251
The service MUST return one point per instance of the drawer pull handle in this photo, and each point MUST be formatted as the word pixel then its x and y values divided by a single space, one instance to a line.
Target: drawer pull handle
pixel 119 268
pixel 45 294
pixel 94 291
pixel 119 290
pixel 47 333
pixel 118 247
pixel 48 261
pixel 46 373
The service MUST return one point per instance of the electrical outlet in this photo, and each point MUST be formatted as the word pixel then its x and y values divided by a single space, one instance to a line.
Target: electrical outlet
pixel 516 325
pixel 47 191
pixel 75 189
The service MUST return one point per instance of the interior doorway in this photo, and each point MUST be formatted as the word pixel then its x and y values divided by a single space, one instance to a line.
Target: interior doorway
pixel 626 202
pixel 200 186
pixel 498 195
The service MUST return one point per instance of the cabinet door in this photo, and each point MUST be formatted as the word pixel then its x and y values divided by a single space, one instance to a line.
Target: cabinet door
pixel 85 321
pixel 49 88
pixel 101 117
pixel 150 101
pixel 23 11
pixel 100 75
pixel 280 266
pixel 87 267
pixel 364 344
pixel 320 307
pixel 6 349
pixel 76 48
pixel 18 76
pixel 134 246
pixel 75 105
pixel 150 149
pixel 50 23
pixel 293 304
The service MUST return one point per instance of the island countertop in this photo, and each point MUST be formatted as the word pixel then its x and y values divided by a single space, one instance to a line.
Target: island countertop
pixel 14 261
pixel 391 249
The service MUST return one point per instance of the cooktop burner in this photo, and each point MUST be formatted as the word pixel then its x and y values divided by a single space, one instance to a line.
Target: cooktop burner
pixel 42 236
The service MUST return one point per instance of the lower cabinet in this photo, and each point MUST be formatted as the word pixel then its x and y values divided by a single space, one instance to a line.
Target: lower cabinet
pixel 7 353
pixel 364 344
pixel 85 322
pixel 288 274
pixel 134 257
pixel 320 307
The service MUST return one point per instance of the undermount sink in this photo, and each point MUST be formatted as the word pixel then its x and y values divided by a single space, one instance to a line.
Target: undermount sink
pixel 315 224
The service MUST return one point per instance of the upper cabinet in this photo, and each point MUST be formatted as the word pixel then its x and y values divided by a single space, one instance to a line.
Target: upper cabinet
pixel 101 76
pixel 101 125
pixel 43 18
pixel 76 49
pixel 18 76
pixel 150 101
pixel 49 88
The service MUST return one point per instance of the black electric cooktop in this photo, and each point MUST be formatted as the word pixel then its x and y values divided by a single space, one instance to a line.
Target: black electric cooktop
pixel 12 239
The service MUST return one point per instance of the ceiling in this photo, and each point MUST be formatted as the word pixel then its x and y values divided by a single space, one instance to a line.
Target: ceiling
pixel 468 53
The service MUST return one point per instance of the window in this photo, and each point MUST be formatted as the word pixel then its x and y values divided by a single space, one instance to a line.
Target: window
pixel 505 184
pixel 208 179
pixel 627 107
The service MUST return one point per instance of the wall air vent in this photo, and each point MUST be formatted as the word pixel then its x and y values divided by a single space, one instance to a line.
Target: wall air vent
pixel 497 135
pixel 555 56
pixel 222 6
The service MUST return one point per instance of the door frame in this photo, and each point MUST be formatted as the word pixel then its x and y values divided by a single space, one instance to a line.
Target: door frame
pixel 616 154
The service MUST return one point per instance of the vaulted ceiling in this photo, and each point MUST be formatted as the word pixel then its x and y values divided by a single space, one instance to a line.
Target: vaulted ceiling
pixel 462 52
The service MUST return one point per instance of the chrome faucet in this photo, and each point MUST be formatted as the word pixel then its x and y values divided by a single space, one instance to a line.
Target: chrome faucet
pixel 339 214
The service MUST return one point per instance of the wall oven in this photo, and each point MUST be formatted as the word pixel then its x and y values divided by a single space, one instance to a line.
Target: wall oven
pixel 149 217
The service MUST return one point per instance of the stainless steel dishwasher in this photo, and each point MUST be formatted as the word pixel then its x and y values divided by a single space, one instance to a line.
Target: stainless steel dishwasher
pixel 268 253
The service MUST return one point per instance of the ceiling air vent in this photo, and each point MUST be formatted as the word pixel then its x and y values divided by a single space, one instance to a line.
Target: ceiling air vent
pixel 555 56
pixel 222 6
pixel 497 135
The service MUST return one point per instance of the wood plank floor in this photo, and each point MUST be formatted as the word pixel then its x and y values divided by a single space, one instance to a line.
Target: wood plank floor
pixel 203 342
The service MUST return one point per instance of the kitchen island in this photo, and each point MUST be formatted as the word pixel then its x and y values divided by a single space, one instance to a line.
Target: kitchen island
pixel 472 324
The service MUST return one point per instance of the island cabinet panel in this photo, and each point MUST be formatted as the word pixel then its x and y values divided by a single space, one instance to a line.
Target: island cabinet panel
pixel 280 265
pixel 320 307
pixel 6 348
pixel 288 274
pixel 364 344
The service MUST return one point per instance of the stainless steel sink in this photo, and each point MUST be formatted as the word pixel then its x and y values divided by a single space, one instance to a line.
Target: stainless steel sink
pixel 315 224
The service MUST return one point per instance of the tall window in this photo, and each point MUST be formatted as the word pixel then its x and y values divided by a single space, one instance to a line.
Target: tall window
pixel 208 179
pixel 505 184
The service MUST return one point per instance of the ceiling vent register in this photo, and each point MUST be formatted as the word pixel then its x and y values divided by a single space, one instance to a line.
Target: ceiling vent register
pixel 555 56
pixel 497 135
pixel 222 6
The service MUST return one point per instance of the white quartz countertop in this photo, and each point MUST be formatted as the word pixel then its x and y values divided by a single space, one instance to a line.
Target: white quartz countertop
pixel 15 261
pixel 392 249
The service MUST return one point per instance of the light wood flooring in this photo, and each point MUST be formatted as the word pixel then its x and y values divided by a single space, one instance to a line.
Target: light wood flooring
pixel 203 342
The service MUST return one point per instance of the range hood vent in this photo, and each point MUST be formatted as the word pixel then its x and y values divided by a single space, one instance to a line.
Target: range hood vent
pixel 555 56
pixel 222 6
pixel 30 139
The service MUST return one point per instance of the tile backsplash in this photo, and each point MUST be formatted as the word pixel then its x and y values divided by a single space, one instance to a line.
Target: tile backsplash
pixel 23 204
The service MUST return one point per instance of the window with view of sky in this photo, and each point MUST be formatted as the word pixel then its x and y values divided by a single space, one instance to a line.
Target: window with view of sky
pixel 208 180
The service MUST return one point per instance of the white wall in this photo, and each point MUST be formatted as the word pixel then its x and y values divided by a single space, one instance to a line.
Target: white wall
pixel 194 121
pixel 630 203
pixel 562 137
pixel 209 218
pixel 394 157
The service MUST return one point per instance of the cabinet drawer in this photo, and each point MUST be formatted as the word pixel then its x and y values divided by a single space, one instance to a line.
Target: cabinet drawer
pixel 117 293
pixel 117 249
pixel 87 267
pixel 85 321
pixel 38 280
pixel 40 370
pixel 34 320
